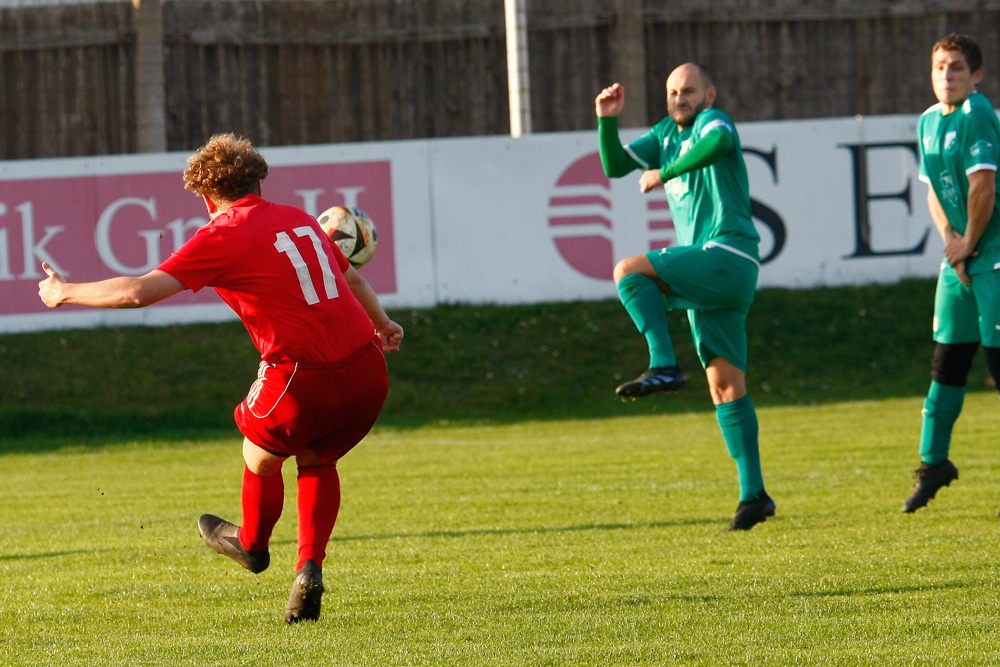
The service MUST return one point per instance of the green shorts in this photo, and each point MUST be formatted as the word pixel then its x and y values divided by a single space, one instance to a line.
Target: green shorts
pixel 716 286
pixel 967 314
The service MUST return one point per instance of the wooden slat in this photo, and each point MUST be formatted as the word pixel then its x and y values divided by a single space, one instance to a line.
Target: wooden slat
pixel 311 71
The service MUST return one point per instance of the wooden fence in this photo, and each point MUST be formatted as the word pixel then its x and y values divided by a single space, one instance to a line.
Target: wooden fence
pixel 92 78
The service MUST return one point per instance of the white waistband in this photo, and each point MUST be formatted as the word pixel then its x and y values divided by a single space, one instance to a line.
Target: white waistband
pixel 716 244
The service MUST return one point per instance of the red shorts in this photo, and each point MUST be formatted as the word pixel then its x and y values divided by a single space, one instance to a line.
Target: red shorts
pixel 328 409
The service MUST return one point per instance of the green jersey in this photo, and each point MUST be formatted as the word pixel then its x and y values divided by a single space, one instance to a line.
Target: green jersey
pixel 711 204
pixel 953 146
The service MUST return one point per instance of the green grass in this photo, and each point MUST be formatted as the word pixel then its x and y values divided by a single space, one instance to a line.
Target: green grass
pixel 557 542
pixel 507 510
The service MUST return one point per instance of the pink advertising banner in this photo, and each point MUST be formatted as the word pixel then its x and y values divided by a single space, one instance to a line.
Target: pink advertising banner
pixel 95 227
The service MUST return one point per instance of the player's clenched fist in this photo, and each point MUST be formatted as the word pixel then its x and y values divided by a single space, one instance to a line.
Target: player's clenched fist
pixel 610 101
pixel 391 336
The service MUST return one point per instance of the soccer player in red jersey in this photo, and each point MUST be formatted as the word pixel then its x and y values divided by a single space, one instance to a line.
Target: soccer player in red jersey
pixel 321 333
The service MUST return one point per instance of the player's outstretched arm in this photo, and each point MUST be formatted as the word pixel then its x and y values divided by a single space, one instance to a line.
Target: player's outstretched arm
pixel 708 150
pixel 614 159
pixel 120 292
pixel 390 332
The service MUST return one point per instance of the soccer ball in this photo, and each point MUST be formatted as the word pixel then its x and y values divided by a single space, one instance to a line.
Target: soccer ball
pixel 352 230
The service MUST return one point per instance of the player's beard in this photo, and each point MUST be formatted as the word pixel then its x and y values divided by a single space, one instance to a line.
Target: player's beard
pixel 684 116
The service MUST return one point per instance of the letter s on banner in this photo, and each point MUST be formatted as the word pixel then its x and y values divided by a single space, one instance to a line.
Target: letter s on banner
pixel 766 214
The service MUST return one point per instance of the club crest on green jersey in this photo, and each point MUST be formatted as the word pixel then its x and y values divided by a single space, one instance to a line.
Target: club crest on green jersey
pixel 677 187
pixel 950 142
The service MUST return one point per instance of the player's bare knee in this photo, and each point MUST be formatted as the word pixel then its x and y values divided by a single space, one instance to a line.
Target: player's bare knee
pixel 309 459
pixel 260 461
pixel 621 270
pixel 726 382
pixel 726 392
pixel 635 264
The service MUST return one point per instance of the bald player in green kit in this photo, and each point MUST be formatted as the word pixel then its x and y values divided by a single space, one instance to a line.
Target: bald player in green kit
pixel 695 155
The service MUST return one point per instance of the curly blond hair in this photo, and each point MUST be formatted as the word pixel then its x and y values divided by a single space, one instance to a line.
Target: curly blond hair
pixel 226 168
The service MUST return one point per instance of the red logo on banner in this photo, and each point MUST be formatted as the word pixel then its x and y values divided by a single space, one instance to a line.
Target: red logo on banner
pixel 96 227
pixel 580 217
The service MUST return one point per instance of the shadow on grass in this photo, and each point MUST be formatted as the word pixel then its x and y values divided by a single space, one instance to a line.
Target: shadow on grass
pixel 840 592
pixel 53 554
pixel 48 432
pixel 499 532
pixel 468 365
pixel 34 433
pixel 884 590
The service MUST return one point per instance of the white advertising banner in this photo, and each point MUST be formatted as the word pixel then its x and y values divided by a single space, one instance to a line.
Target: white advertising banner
pixel 477 220
pixel 839 202
pixel 836 202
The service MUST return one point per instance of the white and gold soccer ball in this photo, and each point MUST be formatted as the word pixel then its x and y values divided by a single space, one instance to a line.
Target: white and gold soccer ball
pixel 352 230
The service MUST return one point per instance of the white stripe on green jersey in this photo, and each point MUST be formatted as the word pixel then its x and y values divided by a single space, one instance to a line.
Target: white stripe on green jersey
pixel 707 204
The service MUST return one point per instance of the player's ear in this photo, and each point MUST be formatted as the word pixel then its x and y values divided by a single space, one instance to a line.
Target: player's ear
pixel 710 96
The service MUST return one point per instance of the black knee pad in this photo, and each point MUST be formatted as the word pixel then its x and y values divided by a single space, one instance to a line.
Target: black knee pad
pixel 993 364
pixel 952 361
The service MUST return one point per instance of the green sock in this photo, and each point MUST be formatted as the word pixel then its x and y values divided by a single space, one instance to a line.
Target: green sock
pixel 644 303
pixel 738 421
pixel 941 409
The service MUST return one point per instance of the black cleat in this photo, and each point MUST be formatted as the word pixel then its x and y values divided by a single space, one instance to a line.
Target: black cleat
pixel 929 480
pixel 662 378
pixel 751 512
pixel 307 594
pixel 224 538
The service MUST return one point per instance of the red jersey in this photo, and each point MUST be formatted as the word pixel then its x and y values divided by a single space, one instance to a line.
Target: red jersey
pixel 282 275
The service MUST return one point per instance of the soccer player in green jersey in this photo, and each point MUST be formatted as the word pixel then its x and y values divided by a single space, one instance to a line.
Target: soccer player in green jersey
pixel 959 141
pixel 695 154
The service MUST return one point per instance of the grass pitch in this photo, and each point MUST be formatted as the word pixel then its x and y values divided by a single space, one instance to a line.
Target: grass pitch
pixel 573 542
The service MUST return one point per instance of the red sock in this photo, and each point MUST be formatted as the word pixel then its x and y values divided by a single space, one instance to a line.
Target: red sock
pixel 262 499
pixel 318 504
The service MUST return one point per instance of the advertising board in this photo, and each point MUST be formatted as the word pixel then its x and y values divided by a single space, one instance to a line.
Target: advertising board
pixel 478 219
